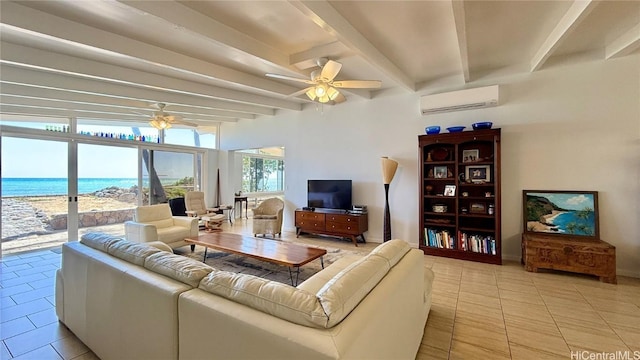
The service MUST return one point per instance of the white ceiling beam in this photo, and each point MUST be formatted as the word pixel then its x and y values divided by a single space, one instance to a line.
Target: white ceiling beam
pixel 578 11
pixel 625 44
pixel 55 112
pixel 17 75
pixel 240 44
pixel 19 54
pixel 44 111
pixel 118 46
pixel 307 59
pixel 101 99
pixel 325 16
pixel 142 115
pixel 461 32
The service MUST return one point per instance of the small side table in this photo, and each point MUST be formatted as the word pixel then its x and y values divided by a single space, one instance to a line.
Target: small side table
pixel 240 199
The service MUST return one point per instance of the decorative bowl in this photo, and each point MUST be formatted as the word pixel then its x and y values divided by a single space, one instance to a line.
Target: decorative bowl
pixel 440 154
pixel 432 130
pixel 482 125
pixel 455 129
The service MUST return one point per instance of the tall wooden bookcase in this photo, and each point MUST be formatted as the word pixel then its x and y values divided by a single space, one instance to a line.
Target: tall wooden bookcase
pixel 460 195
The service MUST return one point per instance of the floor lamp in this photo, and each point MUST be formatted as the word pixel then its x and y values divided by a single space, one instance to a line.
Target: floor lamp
pixel 388 171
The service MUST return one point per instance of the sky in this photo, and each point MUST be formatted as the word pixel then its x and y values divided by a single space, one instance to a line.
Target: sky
pixel 48 159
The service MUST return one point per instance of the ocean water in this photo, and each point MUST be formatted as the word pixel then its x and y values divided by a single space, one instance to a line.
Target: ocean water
pixel 563 220
pixel 58 186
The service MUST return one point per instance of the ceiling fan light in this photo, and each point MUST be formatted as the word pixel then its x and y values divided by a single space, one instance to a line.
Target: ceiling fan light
pixel 160 124
pixel 324 99
pixel 311 94
pixel 332 93
pixel 321 90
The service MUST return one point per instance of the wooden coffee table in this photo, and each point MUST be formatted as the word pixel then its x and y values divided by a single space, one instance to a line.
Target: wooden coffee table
pixel 273 251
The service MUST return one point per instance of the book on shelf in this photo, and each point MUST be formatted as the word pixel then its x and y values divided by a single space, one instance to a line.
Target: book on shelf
pixel 439 238
pixel 477 243
pixel 443 239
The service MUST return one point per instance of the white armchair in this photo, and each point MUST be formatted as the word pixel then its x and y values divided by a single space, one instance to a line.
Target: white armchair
pixel 267 218
pixel 196 207
pixel 155 223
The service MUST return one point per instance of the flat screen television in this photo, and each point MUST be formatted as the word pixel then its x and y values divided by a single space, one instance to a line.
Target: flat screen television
pixel 329 194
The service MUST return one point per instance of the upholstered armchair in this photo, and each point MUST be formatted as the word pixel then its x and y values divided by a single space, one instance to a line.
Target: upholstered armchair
pixel 267 217
pixel 196 207
pixel 155 223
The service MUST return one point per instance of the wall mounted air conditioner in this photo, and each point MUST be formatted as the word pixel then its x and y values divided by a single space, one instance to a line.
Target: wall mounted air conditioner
pixel 460 100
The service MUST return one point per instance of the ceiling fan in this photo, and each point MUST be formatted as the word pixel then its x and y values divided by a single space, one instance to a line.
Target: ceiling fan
pixel 324 87
pixel 162 120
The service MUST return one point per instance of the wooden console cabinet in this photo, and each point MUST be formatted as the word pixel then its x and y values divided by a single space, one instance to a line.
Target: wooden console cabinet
pixel 586 257
pixel 333 223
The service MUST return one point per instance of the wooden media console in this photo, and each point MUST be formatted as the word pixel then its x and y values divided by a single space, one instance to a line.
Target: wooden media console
pixel 333 223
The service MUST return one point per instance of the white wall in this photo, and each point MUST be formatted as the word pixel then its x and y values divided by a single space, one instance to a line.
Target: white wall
pixel 563 128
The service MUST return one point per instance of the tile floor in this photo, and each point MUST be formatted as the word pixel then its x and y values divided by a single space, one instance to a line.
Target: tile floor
pixel 479 311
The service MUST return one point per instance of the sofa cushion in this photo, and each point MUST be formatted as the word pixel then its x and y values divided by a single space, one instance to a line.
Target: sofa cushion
pixel 183 269
pixel 344 292
pixel 134 253
pixel 158 215
pixel 160 246
pixel 99 241
pixel 280 300
pixel 317 280
pixel 392 250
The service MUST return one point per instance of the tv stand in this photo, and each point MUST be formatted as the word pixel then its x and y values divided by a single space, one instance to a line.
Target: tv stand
pixel 333 223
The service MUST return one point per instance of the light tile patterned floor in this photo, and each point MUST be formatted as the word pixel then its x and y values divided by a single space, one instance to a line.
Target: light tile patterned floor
pixel 479 311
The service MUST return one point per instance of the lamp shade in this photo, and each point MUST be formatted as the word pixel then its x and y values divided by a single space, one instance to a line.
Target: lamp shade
pixel 388 169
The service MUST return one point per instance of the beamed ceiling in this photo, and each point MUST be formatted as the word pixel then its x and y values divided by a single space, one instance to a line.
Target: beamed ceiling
pixel 207 59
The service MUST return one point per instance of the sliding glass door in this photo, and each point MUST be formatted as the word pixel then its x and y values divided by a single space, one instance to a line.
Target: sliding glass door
pixel 107 187
pixel 34 193
pixel 58 185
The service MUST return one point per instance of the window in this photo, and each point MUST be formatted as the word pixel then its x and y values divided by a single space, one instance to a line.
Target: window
pixel 262 174
pixel 191 137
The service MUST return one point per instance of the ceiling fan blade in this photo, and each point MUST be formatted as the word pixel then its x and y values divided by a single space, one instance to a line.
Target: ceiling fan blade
pixel 300 92
pixel 284 77
pixel 357 84
pixel 340 98
pixel 330 70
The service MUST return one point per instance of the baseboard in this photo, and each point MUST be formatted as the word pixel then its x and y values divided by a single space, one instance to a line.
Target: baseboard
pixel 628 273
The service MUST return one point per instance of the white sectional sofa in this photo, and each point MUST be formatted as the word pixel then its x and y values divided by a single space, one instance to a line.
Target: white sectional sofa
pixel 128 300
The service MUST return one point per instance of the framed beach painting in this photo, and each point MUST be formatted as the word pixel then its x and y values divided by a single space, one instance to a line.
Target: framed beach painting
pixel 562 213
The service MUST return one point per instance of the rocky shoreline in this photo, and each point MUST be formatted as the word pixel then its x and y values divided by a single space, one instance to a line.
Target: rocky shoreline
pixel 20 218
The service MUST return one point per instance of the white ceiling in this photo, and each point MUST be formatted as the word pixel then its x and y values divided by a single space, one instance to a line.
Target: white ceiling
pixel 107 59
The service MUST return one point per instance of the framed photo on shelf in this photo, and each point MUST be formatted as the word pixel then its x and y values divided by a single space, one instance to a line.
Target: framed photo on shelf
pixel 440 172
pixel 572 214
pixel 478 208
pixel 470 155
pixel 449 190
pixel 478 173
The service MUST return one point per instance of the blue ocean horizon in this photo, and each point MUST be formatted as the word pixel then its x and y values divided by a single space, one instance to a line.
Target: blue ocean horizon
pixel 58 186
pixel 569 217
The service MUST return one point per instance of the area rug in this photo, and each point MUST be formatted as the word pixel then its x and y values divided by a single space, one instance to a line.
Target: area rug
pixel 247 265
